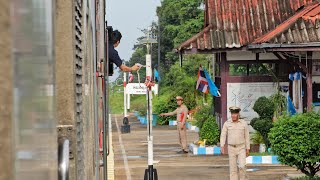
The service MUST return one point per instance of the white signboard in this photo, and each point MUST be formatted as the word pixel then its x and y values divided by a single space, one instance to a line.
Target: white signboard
pixel 139 88
pixel 244 95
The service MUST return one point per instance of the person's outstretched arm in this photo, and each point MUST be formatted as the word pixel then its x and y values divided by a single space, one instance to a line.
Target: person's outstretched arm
pixel 129 69
pixel 115 58
pixel 169 113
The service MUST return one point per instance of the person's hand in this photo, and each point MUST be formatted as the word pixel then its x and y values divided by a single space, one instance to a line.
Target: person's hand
pixel 162 114
pixel 247 152
pixel 222 150
pixel 135 67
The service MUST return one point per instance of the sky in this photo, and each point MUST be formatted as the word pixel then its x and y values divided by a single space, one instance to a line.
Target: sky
pixel 129 16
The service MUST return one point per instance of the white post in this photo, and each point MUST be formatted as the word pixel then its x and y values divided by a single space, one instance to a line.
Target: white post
pixel 149 112
pixel 124 93
pixel 128 101
pixel 148 41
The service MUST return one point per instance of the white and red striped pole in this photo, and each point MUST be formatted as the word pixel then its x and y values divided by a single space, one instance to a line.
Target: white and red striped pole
pixel 124 93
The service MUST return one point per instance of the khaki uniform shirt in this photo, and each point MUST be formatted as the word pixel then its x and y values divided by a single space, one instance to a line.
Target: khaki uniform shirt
pixel 237 133
pixel 182 109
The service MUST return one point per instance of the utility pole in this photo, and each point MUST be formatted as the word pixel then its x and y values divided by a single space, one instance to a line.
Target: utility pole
pixel 150 173
pixel 159 53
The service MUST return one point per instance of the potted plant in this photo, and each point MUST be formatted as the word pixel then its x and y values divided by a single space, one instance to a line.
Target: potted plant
pixel 257 141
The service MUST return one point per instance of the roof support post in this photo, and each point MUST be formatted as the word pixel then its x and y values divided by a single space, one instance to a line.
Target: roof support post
pixel 309 81
pixel 223 86
pixel 223 90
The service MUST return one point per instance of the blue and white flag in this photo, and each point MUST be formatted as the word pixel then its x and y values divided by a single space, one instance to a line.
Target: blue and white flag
pixel 212 87
pixel 156 75
pixel 297 92
pixel 291 109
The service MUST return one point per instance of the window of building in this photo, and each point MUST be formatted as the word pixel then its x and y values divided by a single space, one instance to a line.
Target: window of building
pixel 238 69
pixel 255 69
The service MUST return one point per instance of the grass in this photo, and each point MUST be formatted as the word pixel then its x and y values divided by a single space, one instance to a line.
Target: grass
pixel 116 101
pixel 262 154
pixel 137 102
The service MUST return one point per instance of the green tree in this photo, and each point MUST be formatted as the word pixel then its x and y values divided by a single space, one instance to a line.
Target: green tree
pixel 280 103
pixel 182 82
pixel 139 56
pixel 179 20
pixel 296 141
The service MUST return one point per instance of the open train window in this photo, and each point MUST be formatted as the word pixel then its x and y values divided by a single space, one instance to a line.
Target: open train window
pixel 109 35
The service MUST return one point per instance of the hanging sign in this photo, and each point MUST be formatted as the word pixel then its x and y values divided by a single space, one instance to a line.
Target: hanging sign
pixel 136 88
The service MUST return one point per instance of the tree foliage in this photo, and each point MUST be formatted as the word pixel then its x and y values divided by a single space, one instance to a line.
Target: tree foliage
pixel 296 141
pixel 179 21
pixel 179 82
pixel 280 103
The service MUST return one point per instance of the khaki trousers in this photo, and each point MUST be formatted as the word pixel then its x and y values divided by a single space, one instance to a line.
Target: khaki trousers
pixel 182 135
pixel 237 154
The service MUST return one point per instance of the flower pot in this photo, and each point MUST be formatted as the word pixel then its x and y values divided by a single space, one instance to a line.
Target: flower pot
pixel 254 148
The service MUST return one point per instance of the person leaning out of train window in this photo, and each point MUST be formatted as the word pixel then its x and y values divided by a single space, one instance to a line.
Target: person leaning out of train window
pixel 114 56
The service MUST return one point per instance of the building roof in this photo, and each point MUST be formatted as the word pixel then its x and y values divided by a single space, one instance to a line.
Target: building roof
pixel 237 23
pixel 303 27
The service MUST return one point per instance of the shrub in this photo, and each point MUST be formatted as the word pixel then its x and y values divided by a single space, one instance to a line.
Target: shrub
pixel 296 141
pixel 263 126
pixel 257 138
pixel 164 104
pixel 210 131
pixel 264 107
pixel 202 115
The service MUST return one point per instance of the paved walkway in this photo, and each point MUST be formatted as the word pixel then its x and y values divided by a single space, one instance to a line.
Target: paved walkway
pixel 130 157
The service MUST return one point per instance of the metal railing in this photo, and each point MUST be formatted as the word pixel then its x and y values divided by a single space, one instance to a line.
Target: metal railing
pixel 63 159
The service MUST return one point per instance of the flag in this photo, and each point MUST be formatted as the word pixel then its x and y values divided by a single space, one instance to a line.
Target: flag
pixel 297 92
pixel 131 77
pixel 202 83
pixel 181 116
pixel 212 87
pixel 291 109
pixel 156 75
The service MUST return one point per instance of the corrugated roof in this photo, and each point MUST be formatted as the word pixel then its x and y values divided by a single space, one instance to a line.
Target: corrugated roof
pixel 303 27
pixel 235 23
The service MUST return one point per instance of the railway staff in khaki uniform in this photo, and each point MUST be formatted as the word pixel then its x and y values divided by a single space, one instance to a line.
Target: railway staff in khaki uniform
pixel 181 112
pixel 238 143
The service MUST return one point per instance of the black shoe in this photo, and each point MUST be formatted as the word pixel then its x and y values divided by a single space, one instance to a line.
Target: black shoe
pixel 182 152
